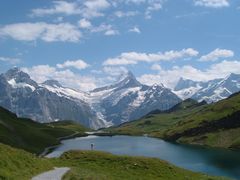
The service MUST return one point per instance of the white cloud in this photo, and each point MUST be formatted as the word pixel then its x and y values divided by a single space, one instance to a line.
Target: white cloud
pixel 93 8
pixel 135 30
pixel 87 8
pixel 102 27
pixel 78 64
pixel 224 68
pixel 212 3
pixel 97 4
pixel 111 32
pixel 106 28
pixel 120 60
pixel 135 1
pixel 10 60
pixel 121 14
pixel 156 67
pixel 149 6
pixel 40 73
pixel 192 14
pixel 115 71
pixel 154 5
pixel 134 57
pixel 41 30
pixel 66 77
pixel 170 77
pixel 59 7
pixel 217 54
pixel 84 23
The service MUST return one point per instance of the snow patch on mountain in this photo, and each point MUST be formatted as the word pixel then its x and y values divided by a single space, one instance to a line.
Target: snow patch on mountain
pixel 188 92
pixel 141 96
pixel 66 92
pixel 15 85
pixel 210 91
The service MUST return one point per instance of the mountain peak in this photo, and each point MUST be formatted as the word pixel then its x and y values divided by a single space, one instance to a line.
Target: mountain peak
pixel 14 70
pixel 16 73
pixel 52 82
pixel 18 76
pixel 184 83
pixel 129 80
pixel 128 75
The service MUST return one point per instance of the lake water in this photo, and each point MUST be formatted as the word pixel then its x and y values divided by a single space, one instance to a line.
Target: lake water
pixel 207 160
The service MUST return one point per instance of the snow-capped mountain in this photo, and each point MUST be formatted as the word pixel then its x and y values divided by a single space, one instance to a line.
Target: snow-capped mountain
pixel 44 102
pixel 210 91
pixel 129 99
pixel 186 88
pixel 111 105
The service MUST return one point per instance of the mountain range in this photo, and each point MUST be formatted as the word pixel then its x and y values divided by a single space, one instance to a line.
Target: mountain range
pixel 121 102
pixel 49 101
pixel 210 91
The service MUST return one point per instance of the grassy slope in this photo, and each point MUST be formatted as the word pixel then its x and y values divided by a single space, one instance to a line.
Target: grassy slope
pixel 99 165
pixel 156 123
pixel 19 164
pixel 186 117
pixel 26 134
pixel 31 136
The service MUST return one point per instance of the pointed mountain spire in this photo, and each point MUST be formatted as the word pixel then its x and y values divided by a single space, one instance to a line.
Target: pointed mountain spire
pixel 19 76
pixel 126 81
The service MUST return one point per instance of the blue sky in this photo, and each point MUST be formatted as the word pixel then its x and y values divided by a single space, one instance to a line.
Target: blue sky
pixel 89 43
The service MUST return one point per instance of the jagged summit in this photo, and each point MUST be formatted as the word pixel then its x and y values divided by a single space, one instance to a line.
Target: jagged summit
pixel 210 91
pixel 128 75
pixel 184 83
pixel 52 82
pixel 128 80
pixel 16 76
pixel 16 73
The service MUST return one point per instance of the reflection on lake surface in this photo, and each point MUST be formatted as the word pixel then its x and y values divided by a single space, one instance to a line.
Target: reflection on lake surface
pixel 212 161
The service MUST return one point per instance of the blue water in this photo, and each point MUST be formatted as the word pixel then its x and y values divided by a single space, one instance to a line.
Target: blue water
pixel 207 160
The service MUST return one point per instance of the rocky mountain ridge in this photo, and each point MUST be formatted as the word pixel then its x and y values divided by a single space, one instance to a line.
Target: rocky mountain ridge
pixel 49 101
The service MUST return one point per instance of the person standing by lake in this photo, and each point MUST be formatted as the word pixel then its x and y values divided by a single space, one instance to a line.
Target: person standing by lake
pixel 92 146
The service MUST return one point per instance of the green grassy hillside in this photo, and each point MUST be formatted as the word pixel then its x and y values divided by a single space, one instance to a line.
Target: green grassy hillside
pixel 19 164
pixel 32 136
pixel 216 125
pixel 100 165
